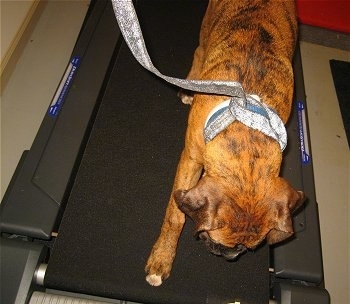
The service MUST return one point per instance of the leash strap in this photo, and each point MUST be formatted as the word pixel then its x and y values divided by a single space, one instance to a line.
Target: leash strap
pixel 130 28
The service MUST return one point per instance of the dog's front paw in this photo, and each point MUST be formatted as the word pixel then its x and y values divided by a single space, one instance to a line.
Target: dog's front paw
pixel 158 267
pixel 154 280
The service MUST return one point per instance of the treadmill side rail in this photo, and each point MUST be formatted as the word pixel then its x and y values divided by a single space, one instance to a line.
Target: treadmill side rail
pixel 19 260
pixel 39 187
pixel 296 294
pixel 301 258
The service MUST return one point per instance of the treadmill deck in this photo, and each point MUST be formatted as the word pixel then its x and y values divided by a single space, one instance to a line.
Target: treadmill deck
pixel 118 200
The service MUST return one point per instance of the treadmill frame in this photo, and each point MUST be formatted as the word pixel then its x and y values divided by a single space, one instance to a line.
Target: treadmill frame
pixel 45 174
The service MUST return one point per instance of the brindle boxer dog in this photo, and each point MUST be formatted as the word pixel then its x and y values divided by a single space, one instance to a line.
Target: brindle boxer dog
pixel 230 187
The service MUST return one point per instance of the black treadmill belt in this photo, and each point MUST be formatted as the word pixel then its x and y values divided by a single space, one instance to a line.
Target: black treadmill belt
pixel 119 197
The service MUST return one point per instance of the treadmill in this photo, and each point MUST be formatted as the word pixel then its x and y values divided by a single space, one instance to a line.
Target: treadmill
pixel 87 201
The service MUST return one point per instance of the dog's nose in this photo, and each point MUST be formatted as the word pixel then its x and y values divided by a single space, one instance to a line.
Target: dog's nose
pixel 233 253
pixel 229 253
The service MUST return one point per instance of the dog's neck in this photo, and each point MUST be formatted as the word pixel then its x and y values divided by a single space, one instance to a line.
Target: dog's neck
pixel 245 160
pixel 251 112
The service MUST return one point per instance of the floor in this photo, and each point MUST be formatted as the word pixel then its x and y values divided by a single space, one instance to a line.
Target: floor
pixel 43 61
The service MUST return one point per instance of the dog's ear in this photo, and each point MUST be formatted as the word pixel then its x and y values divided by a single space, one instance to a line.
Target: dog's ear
pixel 186 202
pixel 200 195
pixel 200 204
pixel 285 201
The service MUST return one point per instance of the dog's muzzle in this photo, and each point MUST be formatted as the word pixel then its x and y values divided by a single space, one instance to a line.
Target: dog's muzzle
pixel 229 253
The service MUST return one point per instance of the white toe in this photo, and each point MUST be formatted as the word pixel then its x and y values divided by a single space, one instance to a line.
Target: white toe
pixel 154 280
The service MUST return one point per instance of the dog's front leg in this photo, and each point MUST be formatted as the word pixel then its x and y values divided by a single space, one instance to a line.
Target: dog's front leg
pixel 160 261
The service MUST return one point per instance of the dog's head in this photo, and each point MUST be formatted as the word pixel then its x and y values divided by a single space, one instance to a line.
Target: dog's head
pixel 229 224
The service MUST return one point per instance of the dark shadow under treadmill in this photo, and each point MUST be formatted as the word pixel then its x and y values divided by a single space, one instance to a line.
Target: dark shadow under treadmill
pixel 118 199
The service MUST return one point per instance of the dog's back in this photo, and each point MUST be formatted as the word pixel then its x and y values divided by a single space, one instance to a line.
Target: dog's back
pixel 251 42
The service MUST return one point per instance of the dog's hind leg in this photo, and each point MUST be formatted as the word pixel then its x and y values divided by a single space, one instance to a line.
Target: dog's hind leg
pixel 194 74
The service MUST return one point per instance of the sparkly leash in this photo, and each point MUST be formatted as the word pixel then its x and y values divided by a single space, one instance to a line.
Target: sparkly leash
pixel 248 109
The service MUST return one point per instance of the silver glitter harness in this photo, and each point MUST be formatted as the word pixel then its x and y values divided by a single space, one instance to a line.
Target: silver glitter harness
pixel 245 108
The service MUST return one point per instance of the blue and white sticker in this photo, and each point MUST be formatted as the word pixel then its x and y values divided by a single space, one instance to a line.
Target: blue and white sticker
pixel 303 135
pixel 63 87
